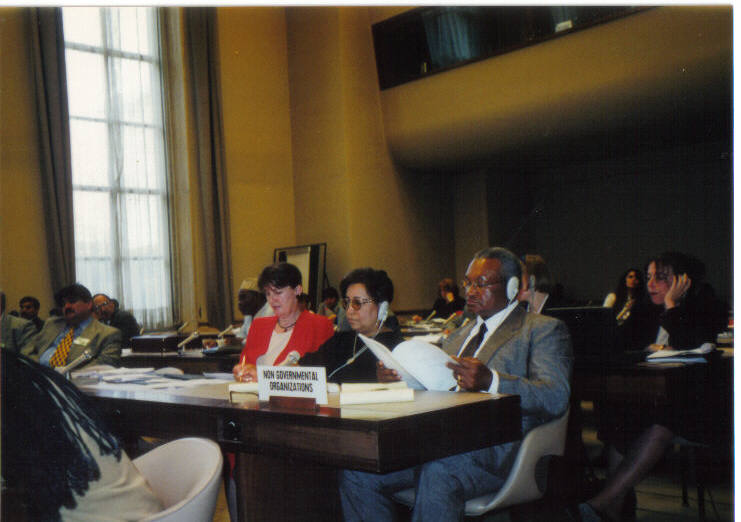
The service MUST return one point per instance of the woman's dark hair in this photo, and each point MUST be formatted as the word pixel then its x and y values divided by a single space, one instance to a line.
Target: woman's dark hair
pixel 448 285
pixel 377 283
pixel 279 275
pixel 621 291
pixel 680 264
pixel 328 292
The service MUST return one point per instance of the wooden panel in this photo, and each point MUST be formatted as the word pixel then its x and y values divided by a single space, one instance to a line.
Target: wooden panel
pixel 283 489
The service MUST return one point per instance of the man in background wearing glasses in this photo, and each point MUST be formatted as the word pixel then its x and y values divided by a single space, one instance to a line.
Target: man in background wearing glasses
pixel 505 350
pixel 63 339
pixel 108 312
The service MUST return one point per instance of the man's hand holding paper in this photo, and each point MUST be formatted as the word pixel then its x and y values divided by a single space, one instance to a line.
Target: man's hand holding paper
pixel 471 374
pixel 384 374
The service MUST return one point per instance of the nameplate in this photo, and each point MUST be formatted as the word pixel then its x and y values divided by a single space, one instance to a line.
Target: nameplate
pixel 292 381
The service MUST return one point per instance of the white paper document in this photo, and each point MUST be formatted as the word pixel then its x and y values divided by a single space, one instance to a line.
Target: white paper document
pixel 421 365
pixel 352 387
pixel 377 396
pixel 695 355
pixel 375 392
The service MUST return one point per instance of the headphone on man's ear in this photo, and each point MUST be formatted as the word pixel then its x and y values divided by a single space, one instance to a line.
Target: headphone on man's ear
pixel 513 287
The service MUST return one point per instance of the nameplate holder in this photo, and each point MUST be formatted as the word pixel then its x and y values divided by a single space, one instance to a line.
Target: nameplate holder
pixel 307 382
pixel 308 404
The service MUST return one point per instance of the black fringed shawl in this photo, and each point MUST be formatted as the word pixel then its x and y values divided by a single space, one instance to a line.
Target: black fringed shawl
pixel 44 456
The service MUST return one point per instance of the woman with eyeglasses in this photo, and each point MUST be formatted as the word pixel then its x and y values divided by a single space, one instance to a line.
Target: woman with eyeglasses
pixel 290 333
pixel 366 296
pixel 681 313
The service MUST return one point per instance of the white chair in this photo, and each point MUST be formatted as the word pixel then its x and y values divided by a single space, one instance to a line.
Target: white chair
pixel 185 474
pixel 526 481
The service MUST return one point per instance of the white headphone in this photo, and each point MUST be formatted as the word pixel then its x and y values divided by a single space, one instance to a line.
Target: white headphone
pixel 513 287
pixel 383 311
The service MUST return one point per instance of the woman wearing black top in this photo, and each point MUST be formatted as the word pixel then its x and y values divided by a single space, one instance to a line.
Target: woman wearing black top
pixel 681 312
pixel 367 294
pixel 630 291
pixel 449 301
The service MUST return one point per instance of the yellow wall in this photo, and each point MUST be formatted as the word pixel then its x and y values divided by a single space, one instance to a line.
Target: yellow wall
pixel 23 254
pixel 348 191
pixel 257 135
pixel 320 158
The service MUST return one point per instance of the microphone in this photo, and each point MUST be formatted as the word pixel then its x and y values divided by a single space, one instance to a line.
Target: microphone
pixel 432 314
pixel 65 370
pixel 224 332
pixel 465 322
pixel 182 327
pixel 352 359
pixel 291 359
pixel 188 339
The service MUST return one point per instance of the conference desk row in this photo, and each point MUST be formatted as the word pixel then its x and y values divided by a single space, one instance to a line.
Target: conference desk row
pixel 287 461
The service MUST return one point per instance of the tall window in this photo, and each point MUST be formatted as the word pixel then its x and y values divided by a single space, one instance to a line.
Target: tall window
pixel 119 174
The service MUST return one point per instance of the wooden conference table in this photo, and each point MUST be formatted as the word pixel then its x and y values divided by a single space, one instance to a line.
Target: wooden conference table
pixel 671 383
pixel 704 389
pixel 287 461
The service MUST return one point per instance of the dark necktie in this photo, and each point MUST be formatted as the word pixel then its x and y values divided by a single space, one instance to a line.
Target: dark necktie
pixel 475 342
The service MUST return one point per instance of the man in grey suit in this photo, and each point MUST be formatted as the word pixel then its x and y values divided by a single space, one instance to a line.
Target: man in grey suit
pixel 80 329
pixel 14 331
pixel 506 350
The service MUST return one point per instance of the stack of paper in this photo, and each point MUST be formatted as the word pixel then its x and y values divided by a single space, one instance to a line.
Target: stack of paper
pixel 375 392
pixel 243 387
pixel 686 356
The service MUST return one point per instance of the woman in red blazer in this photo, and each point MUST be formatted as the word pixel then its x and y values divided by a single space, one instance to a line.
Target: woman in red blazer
pixel 289 333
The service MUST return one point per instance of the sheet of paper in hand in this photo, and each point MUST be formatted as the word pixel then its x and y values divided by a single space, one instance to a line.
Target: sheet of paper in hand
pixel 421 365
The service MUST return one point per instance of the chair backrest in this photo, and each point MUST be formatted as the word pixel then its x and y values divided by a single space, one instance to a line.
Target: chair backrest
pixel 522 484
pixel 185 475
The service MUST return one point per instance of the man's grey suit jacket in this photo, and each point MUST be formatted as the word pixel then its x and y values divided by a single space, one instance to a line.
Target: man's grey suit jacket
pixel 104 342
pixel 532 355
pixel 15 332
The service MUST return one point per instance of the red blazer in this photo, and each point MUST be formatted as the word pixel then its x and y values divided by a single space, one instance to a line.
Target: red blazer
pixel 309 333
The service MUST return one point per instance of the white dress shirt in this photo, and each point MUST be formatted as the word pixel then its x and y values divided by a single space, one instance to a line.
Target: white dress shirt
pixel 492 323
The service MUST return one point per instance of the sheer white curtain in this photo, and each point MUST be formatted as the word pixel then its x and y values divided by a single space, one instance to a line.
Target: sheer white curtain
pixel 119 175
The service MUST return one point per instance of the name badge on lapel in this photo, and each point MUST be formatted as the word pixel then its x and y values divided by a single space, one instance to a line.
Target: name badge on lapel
pixel 82 341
